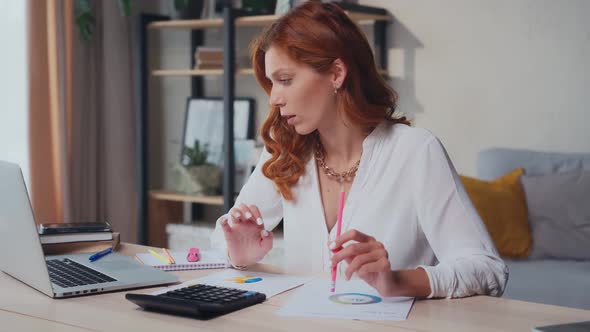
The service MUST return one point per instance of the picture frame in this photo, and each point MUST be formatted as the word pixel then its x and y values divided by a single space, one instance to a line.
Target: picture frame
pixel 203 121
pixel 246 157
pixel 283 6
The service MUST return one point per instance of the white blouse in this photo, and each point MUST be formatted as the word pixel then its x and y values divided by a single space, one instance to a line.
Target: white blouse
pixel 407 195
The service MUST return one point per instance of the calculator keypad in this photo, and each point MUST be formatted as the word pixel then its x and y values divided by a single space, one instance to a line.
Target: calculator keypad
pixel 209 294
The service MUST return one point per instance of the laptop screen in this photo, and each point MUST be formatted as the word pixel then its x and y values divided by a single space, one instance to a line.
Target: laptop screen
pixel 21 255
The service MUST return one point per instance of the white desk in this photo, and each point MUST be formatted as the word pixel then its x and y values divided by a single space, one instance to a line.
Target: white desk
pixel 23 308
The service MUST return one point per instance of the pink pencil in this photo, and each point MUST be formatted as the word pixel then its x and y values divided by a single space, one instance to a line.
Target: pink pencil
pixel 338 230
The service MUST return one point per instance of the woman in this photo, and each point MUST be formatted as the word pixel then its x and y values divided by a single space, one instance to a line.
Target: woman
pixel 409 229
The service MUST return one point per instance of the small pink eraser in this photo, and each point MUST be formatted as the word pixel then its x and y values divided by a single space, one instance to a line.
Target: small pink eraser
pixel 193 255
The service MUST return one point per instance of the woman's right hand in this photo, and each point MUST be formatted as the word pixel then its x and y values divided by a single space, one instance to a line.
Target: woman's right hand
pixel 247 240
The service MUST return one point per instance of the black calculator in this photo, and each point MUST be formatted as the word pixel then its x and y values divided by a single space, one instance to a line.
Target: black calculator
pixel 199 301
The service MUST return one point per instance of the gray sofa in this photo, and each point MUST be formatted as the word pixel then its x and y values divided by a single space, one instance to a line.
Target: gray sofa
pixel 557 281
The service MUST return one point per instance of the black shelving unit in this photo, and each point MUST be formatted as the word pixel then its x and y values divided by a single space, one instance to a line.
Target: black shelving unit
pixel 229 66
pixel 141 120
pixel 142 113
pixel 142 87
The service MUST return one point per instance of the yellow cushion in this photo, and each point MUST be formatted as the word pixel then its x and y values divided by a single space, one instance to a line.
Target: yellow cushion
pixel 502 206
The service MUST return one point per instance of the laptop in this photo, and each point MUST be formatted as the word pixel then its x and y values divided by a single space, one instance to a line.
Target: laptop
pixel 22 257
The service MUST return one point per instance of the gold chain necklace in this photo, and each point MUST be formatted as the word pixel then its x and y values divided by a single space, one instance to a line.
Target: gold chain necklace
pixel 320 156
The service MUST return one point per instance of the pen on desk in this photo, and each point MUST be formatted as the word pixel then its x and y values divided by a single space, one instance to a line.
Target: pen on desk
pixel 100 254
pixel 169 256
pixel 338 231
pixel 158 256
pixel 139 259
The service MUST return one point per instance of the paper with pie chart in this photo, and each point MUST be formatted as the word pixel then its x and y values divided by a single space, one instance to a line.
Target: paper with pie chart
pixel 267 283
pixel 353 299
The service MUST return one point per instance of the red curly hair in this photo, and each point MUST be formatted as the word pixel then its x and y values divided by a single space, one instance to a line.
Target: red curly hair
pixel 316 34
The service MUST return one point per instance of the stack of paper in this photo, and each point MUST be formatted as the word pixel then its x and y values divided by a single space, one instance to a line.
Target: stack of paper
pixel 267 283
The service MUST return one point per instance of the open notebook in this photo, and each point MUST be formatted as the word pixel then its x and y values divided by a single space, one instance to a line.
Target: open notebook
pixel 210 259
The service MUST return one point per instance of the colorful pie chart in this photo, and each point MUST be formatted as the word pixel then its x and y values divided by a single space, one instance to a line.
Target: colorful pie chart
pixel 354 298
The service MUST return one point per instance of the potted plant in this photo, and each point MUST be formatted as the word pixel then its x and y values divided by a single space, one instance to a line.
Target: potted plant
pixel 180 9
pixel 187 9
pixel 195 176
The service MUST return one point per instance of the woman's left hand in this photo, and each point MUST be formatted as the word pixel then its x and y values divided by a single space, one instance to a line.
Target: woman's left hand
pixel 366 257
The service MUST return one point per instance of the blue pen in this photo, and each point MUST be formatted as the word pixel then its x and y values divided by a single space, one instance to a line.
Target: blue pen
pixel 100 254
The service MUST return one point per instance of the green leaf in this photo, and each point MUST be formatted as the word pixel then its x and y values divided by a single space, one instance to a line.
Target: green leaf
pixel 196 155
pixel 180 4
pixel 125 6
pixel 84 19
pixel 81 6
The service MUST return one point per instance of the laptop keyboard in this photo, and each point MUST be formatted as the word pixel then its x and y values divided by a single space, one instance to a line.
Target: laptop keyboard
pixel 67 273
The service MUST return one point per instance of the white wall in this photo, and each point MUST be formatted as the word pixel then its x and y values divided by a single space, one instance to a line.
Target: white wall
pixel 14 141
pixel 483 73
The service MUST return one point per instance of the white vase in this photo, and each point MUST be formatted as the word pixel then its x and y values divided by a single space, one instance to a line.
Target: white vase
pixel 198 180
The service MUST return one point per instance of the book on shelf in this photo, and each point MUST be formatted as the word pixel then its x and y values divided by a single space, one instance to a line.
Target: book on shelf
pixel 209 66
pixel 208 50
pixel 209 61
pixel 208 54
pixel 208 58
pixel 212 58
pixel 81 247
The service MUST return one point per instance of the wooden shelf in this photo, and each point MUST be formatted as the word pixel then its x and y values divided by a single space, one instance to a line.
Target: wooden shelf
pixel 211 72
pixel 367 18
pixel 179 197
pixel 197 72
pixel 249 21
